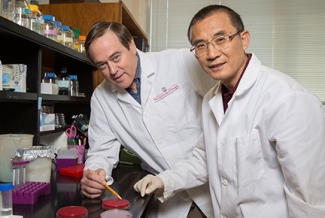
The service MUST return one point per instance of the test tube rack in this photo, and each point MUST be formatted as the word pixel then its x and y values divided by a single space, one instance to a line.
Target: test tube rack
pixel 30 192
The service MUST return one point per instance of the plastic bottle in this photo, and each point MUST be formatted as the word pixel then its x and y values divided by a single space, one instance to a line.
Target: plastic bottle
pixel 22 13
pixel 50 77
pixel 67 36
pixel 76 33
pixel 59 32
pixel 63 82
pixel 49 27
pixel 74 85
pixel 39 16
pixel 82 40
pixel 8 9
pixel 35 24
pixel 6 199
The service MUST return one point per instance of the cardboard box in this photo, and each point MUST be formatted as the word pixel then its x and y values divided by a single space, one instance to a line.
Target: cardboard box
pixel 14 76
pixel 47 122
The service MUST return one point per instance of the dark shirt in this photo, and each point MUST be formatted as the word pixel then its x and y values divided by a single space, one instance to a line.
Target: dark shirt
pixel 226 94
pixel 137 95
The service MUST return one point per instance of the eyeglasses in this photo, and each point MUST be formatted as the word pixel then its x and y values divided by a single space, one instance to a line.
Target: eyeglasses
pixel 219 42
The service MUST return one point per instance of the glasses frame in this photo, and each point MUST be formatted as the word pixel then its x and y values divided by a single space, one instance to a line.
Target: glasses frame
pixel 207 43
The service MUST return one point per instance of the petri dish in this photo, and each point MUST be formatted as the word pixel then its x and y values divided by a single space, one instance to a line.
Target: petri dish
pixel 116 213
pixel 115 203
pixel 72 212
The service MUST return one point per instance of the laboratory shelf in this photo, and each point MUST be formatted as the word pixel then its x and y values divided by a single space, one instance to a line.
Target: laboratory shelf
pixel 9 96
pixel 20 112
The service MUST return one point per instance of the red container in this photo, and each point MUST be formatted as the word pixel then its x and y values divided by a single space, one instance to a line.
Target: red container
pixel 115 203
pixel 72 212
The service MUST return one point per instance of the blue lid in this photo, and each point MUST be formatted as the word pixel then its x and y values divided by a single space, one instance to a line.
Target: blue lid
pixel 58 23
pixel 47 17
pixel 6 186
pixel 65 27
pixel 73 77
pixel 50 75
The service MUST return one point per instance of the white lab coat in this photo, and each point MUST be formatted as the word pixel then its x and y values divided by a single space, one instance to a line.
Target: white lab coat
pixel 266 154
pixel 164 129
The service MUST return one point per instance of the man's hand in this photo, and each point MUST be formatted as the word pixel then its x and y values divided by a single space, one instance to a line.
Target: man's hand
pixel 92 183
pixel 148 185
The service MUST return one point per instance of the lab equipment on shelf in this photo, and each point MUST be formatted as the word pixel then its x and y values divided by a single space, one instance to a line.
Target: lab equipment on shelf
pixel 74 85
pixel 63 82
pixel 50 27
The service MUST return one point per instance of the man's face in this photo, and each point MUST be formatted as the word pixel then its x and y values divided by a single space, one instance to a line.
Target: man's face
pixel 117 64
pixel 227 64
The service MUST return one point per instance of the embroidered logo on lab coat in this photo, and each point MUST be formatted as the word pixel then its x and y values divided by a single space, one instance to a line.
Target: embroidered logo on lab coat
pixel 165 92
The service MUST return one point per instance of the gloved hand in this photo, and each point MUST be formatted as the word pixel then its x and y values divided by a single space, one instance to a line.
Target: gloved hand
pixel 150 184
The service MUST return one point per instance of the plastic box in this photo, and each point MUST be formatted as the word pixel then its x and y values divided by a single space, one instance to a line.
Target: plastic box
pixel 30 192
pixel 74 171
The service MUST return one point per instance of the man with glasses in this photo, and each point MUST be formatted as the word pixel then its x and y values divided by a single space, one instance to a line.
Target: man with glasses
pixel 264 133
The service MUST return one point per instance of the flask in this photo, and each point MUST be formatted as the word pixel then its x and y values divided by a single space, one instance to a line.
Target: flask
pixel 49 27
pixel 22 13
pixel 82 40
pixel 59 31
pixel 34 18
pixel 63 82
pixel 6 199
pixel 74 85
pixel 67 36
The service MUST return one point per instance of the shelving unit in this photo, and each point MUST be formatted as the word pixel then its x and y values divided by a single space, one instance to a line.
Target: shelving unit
pixel 85 15
pixel 19 111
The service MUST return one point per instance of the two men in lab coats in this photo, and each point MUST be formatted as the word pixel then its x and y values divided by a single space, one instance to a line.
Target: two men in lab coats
pixel 149 103
pixel 264 133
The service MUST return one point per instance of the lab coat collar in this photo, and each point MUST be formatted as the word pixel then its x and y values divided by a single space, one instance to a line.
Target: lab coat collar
pixel 249 77
pixel 147 73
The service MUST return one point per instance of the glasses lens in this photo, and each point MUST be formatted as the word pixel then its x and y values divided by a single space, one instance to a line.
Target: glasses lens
pixel 220 42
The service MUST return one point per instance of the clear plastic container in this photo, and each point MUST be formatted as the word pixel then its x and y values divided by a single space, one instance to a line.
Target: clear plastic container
pixel 49 27
pixel 6 199
pixel 72 212
pixel 82 40
pixel 74 85
pixel 59 32
pixel 35 23
pixel 67 36
pixel 22 13
pixel 39 16
pixel 63 82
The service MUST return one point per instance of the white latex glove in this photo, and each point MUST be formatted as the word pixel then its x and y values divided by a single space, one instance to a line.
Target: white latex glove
pixel 150 184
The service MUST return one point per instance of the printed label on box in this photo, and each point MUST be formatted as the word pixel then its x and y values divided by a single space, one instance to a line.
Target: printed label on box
pixel 14 76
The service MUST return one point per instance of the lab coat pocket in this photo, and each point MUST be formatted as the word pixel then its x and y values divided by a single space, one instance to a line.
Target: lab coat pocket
pixel 250 164
pixel 175 110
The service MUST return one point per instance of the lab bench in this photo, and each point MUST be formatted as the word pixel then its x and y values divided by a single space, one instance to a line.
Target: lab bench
pixel 65 191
